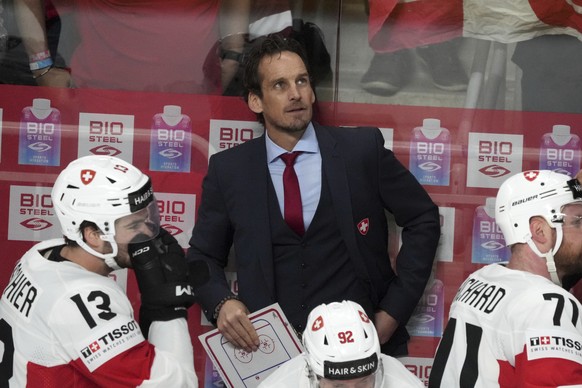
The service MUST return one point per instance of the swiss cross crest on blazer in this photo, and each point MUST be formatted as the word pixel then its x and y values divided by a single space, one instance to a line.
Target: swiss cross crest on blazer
pixel 364 226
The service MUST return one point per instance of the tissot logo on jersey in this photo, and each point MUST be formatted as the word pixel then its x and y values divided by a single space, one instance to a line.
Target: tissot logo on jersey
pixel 108 345
pixel 554 344
pixel 556 341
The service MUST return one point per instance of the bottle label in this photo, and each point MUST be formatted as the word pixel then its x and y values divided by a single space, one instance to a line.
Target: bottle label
pixel 430 159
pixel 170 145
pixel 564 159
pixel 488 242
pixel 40 139
pixel 427 317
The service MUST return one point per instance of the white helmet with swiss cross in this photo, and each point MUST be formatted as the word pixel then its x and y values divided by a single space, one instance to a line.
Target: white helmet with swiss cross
pixel 535 193
pixel 341 342
pixel 103 190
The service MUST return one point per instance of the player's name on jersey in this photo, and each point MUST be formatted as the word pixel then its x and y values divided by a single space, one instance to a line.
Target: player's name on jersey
pixel 480 295
pixel 20 292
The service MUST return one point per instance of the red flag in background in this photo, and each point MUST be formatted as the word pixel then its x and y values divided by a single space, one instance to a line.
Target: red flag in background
pixel 398 24
pixel 517 20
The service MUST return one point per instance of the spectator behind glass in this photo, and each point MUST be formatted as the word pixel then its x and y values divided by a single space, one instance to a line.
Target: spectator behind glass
pixel 143 45
pixel 338 248
pixel 551 73
pixel 241 22
pixel 340 335
pixel 65 322
pixel 514 324
pixel 404 34
pixel 14 61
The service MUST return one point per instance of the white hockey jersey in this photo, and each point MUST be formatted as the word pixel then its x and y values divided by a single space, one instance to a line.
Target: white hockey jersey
pixel 294 374
pixel 64 326
pixel 510 328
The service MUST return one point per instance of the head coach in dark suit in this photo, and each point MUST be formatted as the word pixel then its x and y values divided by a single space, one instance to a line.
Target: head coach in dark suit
pixel 336 248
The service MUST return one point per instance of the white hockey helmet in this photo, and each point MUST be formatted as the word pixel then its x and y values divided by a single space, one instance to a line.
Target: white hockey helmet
pixel 341 342
pixel 109 192
pixel 534 193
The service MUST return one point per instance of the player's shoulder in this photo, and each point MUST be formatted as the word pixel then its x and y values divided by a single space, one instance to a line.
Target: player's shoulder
pixel 397 375
pixel 290 374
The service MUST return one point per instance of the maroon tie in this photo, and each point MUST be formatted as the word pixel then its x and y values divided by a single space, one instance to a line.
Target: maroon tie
pixel 292 202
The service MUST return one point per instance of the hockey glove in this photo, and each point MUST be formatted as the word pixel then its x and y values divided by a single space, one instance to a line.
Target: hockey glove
pixel 162 276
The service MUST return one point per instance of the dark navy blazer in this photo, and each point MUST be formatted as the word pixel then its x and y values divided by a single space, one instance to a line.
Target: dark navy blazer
pixel 365 180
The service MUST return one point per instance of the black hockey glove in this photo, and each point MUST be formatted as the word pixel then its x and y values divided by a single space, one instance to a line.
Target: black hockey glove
pixel 162 276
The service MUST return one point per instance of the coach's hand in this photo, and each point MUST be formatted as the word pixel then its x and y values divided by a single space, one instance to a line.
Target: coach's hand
pixel 234 324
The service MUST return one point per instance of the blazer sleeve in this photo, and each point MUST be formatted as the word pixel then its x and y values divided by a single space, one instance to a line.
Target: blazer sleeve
pixel 418 215
pixel 211 240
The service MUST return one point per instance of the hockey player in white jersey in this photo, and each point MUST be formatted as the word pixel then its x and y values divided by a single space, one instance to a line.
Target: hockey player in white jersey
pixel 514 324
pixel 342 350
pixel 65 323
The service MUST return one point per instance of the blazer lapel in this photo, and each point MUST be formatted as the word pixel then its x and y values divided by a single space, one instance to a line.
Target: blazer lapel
pixel 337 179
pixel 257 191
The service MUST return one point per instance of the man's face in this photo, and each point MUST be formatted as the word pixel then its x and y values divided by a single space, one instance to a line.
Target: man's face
pixel 569 256
pixel 144 223
pixel 362 382
pixel 287 102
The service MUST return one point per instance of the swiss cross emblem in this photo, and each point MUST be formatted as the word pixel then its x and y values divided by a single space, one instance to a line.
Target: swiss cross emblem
pixel 87 176
pixel 545 340
pixel 364 317
pixel 531 175
pixel 363 226
pixel 94 347
pixel 318 324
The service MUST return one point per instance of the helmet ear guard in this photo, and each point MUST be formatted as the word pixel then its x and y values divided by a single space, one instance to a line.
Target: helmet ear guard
pixel 341 342
pixel 534 193
pixel 102 190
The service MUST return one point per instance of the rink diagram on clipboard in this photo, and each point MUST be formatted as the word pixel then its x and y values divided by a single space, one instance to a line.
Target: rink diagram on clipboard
pixel 278 344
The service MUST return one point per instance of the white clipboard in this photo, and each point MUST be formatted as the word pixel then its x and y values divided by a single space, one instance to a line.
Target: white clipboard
pixel 279 344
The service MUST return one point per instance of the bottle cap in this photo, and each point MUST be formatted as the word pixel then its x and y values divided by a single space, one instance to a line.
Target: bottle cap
pixel 561 130
pixel 431 123
pixel 41 103
pixel 172 110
